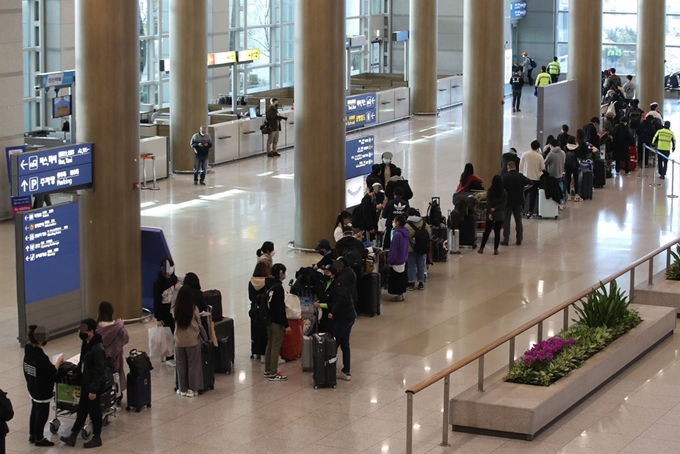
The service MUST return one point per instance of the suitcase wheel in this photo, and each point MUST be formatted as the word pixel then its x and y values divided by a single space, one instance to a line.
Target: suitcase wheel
pixel 85 434
pixel 138 409
pixel 127 408
pixel 148 405
pixel 334 386
pixel 316 387
pixel 105 421
pixel 54 426
pixel 556 218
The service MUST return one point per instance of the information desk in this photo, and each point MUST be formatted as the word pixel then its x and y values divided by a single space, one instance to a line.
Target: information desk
pixel 159 147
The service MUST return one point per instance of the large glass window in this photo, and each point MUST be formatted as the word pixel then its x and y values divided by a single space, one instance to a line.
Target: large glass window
pixel 33 61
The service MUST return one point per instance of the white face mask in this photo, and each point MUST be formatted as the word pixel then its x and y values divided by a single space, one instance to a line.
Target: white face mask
pixel 273 253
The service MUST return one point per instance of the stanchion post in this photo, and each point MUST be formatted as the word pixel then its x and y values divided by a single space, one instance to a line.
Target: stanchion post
pixel 445 416
pixel 409 423
pixel 672 195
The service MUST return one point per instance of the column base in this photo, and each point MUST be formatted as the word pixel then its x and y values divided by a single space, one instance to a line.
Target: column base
pixel 291 245
pixel 425 114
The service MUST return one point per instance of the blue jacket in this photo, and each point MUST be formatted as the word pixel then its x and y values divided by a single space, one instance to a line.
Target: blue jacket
pixel 399 247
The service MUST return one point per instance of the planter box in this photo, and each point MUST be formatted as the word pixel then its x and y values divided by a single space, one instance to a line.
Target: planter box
pixel 521 411
pixel 664 292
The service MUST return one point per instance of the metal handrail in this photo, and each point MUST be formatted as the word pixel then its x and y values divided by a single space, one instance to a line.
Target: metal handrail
pixel 510 338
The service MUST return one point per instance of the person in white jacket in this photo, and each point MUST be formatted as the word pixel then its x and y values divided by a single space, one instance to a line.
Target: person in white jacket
pixel 532 165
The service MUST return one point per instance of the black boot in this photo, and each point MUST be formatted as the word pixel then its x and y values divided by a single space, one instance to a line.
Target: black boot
pixel 70 440
pixel 94 443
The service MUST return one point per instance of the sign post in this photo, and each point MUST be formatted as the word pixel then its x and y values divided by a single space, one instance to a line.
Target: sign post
pixel 361 110
pixel 359 159
pixel 518 10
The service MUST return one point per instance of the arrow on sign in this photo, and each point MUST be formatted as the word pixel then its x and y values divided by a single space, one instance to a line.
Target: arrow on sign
pixel 24 185
pixel 22 165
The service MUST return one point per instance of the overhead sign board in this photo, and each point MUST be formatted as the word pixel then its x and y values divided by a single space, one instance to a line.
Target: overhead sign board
pixel 57 79
pixel 360 110
pixel 52 170
pixel 221 58
pixel 355 41
pixel 19 204
pixel 518 10
pixel 359 156
pixel 400 36
pixel 248 55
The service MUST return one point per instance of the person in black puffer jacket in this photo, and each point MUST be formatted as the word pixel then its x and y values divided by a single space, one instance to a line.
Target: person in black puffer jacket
pixel 161 304
pixel 40 376
pixel 6 414
pixel 340 297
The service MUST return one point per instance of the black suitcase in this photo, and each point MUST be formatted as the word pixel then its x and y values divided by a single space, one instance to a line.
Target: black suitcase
pixel 468 232
pixel 222 358
pixel 439 232
pixel 138 391
pixel 213 298
pixel 324 361
pixel 439 254
pixel 599 177
pixel 208 366
pixel 369 293
pixel 258 340
pixel 585 184
pixel 225 329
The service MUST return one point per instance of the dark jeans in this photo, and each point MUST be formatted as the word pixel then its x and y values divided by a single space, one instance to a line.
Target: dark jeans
pixel 642 153
pixel 553 78
pixel 200 163
pixel 516 98
pixel 568 175
pixel 91 408
pixel 516 212
pixel 532 195
pixel 496 226
pixel 341 331
pixel 663 162
pixel 626 165
pixel 40 413
pixel 530 80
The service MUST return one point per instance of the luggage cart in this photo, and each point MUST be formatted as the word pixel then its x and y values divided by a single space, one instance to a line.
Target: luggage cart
pixel 66 401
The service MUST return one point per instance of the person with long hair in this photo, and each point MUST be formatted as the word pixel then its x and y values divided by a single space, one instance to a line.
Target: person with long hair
pixel 114 338
pixel 496 199
pixel 469 181
pixel 187 344
pixel 266 254
pixel 344 219
pixel 258 333
pixel 191 280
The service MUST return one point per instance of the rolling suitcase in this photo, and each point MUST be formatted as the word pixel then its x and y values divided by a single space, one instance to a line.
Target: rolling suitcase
pixel 585 184
pixel 632 158
pixel 439 232
pixel 547 208
pixel 138 391
pixel 291 348
pixel 369 293
pixel 207 361
pixel 599 172
pixel 438 251
pixel 213 298
pixel 222 358
pixel 307 354
pixel 225 329
pixel 468 232
pixel 258 340
pixel 324 361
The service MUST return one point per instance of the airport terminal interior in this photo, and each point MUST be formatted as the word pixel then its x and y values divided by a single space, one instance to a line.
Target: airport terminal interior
pixel 469 301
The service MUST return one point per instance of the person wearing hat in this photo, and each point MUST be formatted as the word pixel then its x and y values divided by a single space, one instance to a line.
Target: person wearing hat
pixel 664 141
pixel 507 157
pixel 657 118
pixel 353 250
pixel 40 375
pixel 274 127
pixel 326 251
pixel 93 368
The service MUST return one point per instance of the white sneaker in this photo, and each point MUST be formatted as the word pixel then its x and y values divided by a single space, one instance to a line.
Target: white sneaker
pixel 343 376
pixel 180 393
pixel 171 363
pixel 190 393
pixel 281 361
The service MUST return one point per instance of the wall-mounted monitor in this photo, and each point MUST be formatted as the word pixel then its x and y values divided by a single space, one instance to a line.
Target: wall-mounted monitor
pixel 61 106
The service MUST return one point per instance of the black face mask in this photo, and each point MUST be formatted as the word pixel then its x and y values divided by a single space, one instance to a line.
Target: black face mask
pixel 83 336
pixel 322 252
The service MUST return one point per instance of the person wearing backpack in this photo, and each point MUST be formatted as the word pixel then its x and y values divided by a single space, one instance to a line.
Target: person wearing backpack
pixel 419 246
pixel 397 206
pixel 258 331
pixel 278 322
pixel 353 251
pixel 6 415
pixel 528 64
pixel 93 367
pixel 365 216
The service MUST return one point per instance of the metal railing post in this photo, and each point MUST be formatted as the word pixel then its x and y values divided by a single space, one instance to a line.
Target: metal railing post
pixel 631 293
pixel 511 354
pixel 565 322
pixel 668 258
pixel 409 423
pixel 644 162
pixel 672 196
pixel 650 278
pixel 445 417
pixel 480 374
pixel 654 166
pixel 540 331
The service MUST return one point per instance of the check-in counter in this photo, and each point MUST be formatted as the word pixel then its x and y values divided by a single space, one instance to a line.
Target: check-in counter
pixel 250 137
pixel 456 90
pixel 148 130
pixel 402 103
pixel 226 141
pixel 385 104
pixel 159 147
pixel 443 92
pixel 289 128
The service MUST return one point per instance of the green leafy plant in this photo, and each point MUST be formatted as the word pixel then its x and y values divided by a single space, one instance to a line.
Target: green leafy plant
pixel 603 308
pixel 673 271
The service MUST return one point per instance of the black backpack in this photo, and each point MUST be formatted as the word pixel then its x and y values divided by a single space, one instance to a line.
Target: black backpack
pixel 353 256
pixel 533 63
pixel 259 309
pixel 421 239
pixel 634 119
pixel 434 213
pixel 358 218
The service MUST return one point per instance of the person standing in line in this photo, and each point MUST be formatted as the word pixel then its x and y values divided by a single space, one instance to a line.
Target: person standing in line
pixel 396 260
pixel 417 258
pixel 563 137
pixel 274 127
pixel 187 344
pixel 571 165
pixel 93 368
pixel 664 141
pixel 645 133
pixel 192 281
pixel 554 165
pixel 621 142
pixel 554 69
pixel 279 322
pixel 397 206
pixel 591 134
pixel 629 89
pixel 514 184
pixel 496 200
pixel 40 376
pixel 201 142
pixel 266 254
pixel 368 212
pixel 517 83
pixel 532 165
pixel 258 332
pixel 528 66
pixel 114 338
pixel 6 415
pixel 163 290
pixel 506 158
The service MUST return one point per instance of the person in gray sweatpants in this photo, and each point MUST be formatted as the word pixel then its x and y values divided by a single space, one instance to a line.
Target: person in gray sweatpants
pixel 187 344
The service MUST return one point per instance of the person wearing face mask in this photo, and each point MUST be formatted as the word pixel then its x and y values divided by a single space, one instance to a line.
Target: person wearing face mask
pixel 343 220
pixel 201 142
pixel 279 322
pixel 40 375
pixel 387 168
pixel 326 252
pixel 162 305
pixel 274 127
pixel 266 254
pixel 93 369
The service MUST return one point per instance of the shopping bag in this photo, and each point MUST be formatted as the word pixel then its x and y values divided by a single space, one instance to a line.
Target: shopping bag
pixel 293 306
pixel 161 342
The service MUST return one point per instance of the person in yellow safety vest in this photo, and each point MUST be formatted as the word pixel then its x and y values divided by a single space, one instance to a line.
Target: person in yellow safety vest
pixel 542 79
pixel 554 69
pixel 664 141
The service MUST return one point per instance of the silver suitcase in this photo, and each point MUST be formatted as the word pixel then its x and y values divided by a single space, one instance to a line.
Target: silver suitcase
pixel 547 208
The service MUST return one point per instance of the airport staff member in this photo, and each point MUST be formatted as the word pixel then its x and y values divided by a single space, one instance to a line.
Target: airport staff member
pixel 554 69
pixel 663 139
pixel 542 80
pixel 274 126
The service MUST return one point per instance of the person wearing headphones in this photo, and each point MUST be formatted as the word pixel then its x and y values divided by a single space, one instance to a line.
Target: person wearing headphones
pixel 163 291
pixel 279 322
pixel 40 375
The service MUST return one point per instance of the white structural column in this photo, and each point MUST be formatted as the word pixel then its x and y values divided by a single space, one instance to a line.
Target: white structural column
pixel 107 99
pixel 320 123
pixel 188 78
pixel 651 46
pixel 422 66
pixel 585 56
pixel 483 63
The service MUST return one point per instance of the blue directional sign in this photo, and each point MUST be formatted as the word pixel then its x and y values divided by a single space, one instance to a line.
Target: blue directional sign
pixel 58 79
pixel 361 110
pixel 518 10
pixel 359 156
pixel 51 251
pixel 52 170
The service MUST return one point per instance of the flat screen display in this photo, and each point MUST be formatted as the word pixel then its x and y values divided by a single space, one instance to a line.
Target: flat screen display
pixel 253 111
pixel 61 106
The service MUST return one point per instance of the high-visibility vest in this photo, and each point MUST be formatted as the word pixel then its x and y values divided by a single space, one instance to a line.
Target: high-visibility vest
pixel 663 139
pixel 543 79
pixel 554 68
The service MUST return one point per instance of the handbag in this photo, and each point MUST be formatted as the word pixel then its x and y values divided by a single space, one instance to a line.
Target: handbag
pixel 138 362
pixel 382 225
